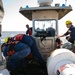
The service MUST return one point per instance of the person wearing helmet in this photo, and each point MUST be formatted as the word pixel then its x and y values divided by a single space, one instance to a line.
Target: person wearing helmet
pixel 58 43
pixel 70 31
pixel 15 53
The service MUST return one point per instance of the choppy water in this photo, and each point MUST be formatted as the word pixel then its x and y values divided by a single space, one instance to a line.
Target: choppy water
pixel 9 33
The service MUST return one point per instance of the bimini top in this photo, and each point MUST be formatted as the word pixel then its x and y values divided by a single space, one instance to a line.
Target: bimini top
pixel 62 10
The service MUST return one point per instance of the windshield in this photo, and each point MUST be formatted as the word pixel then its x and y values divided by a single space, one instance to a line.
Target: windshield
pixel 43 25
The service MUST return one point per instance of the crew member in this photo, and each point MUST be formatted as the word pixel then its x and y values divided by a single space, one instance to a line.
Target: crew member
pixel 14 52
pixel 30 41
pixel 29 30
pixel 71 32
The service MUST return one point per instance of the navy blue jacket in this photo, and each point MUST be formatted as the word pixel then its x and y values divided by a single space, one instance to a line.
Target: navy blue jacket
pixel 18 47
pixel 15 60
pixel 72 34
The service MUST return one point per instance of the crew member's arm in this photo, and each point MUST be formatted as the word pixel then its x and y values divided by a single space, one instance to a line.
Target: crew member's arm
pixel 67 33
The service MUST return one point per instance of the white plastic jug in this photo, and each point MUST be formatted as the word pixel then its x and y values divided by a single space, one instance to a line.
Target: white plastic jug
pixel 4 72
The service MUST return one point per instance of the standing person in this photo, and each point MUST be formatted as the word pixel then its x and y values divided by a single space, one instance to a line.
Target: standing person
pixel 15 53
pixel 71 32
pixel 29 30
pixel 30 41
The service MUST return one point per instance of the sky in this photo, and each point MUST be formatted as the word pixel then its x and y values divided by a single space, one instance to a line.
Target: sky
pixel 15 21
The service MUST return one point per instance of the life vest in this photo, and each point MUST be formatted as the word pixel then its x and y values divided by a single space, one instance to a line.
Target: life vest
pixel 11 46
pixel 30 32
pixel 19 37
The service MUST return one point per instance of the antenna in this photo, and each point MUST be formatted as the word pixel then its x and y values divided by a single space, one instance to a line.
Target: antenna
pixel 65 2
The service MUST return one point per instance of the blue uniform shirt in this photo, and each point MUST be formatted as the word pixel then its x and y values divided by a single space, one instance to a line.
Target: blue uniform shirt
pixel 72 34
pixel 20 46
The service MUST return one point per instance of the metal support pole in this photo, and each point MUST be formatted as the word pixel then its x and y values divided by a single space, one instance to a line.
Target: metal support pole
pixel 65 2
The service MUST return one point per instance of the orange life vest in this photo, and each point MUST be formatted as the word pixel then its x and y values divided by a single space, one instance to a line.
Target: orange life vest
pixel 30 32
pixel 19 37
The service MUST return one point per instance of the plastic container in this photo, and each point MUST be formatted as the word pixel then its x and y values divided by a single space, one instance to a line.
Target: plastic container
pixel 4 72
